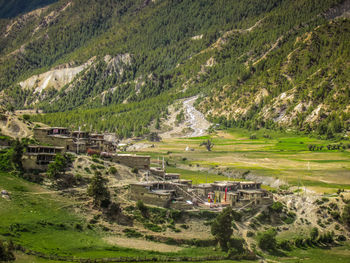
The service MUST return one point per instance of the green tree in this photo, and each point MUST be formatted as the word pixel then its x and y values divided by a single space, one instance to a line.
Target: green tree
pixel 99 191
pixel 58 167
pixel 17 155
pixel 221 228
pixel 267 239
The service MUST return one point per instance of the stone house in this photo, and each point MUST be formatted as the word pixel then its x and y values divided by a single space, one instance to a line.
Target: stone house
pixel 38 157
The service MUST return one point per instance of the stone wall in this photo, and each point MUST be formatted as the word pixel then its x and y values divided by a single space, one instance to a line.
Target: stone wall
pixel 29 162
pixel 133 161
pixel 140 192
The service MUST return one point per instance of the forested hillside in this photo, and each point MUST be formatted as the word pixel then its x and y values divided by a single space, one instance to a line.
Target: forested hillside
pixel 117 65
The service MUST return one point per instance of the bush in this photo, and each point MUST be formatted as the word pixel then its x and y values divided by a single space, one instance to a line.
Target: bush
pixel 314 233
pixel 112 170
pixel 78 227
pixel 267 239
pixel 277 207
pixel 250 234
pixel 341 238
pixel 237 216
pixel 132 233
pixel 6 253
pixel 346 215
pixel 236 247
pixel 285 245
pixel 153 227
pixel 143 208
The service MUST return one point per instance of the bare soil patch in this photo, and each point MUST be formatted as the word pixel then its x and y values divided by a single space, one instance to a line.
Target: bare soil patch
pixel 141 244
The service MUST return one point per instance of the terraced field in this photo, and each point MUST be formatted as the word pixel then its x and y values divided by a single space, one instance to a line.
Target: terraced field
pixel 283 156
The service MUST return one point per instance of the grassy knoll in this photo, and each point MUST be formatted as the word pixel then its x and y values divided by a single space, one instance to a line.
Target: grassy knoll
pixel 281 155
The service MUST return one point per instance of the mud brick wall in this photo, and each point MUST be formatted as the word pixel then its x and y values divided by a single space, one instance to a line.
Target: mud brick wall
pixel 133 161
pixel 140 192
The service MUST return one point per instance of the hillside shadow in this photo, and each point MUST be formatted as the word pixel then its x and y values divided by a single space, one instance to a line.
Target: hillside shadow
pixel 13 8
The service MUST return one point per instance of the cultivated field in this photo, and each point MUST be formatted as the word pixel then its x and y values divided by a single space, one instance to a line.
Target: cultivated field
pixel 283 156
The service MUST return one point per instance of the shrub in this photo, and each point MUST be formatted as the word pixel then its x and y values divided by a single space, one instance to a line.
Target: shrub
pixel 285 245
pixel 267 239
pixel 78 227
pixel 26 117
pixel 314 233
pixel 153 227
pixel 6 253
pixel 341 238
pixel 236 247
pixel 112 170
pixel 237 216
pixel 132 233
pixel 277 207
pixel 250 234
pixel 143 208
pixel 346 215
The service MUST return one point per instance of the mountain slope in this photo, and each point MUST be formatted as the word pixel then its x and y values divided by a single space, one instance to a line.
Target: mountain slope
pixel 254 63
pixel 12 8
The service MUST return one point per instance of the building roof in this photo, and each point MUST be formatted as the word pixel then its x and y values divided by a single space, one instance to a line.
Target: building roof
pixel 45 146
pixel 132 155
pixel 202 186
pixel 225 183
pixel 249 182
pixel 252 191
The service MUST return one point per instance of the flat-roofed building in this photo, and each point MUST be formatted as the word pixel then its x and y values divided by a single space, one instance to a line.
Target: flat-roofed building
pixel 38 157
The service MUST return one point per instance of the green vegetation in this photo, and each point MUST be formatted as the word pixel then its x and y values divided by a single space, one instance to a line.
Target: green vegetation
pixel 346 215
pixel 58 167
pixel 13 8
pixel 99 191
pixel 284 155
pixel 221 228
pixel 267 240
pixel 284 51
pixel 6 253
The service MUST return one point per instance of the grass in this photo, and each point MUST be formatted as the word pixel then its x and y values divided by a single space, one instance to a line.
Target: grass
pixel 41 220
pixel 284 156
pixel 339 254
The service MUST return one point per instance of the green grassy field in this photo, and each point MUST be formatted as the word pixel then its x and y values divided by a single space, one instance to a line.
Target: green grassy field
pixel 339 254
pixel 284 156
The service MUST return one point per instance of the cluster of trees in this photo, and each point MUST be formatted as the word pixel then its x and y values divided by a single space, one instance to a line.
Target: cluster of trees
pixel 126 120
pixel 340 146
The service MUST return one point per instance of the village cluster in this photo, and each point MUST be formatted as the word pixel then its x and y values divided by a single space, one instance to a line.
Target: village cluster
pixel 156 186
